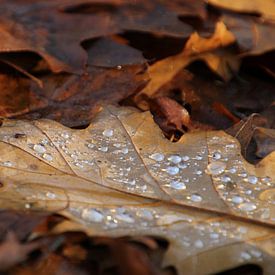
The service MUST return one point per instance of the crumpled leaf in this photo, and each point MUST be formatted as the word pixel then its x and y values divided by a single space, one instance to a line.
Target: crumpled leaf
pixel 121 176
pixel 210 50
pixel 265 8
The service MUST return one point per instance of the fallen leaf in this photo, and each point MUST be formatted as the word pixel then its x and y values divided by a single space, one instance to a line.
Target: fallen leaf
pixel 121 176
pixel 265 140
pixel 44 29
pixel 197 48
pixel 13 252
pixel 252 36
pixel 71 99
pixel 265 8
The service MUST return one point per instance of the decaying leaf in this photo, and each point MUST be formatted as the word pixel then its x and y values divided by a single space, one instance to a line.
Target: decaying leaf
pixel 121 176
pixel 209 50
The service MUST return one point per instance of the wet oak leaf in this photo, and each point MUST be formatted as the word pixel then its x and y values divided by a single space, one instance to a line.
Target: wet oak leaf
pixel 211 50
pixel 120 176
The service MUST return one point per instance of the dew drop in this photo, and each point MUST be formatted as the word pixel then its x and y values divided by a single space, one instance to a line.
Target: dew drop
pixel 27 205
pixel 198 157
pixel 103 149
pixel 145 214
pixel 247 206
pixel 243 174
pixel 232 170
pixel 124 151
pixel 38 148
pixel 185 158
pixel 108 133
pixel 245 256
pixel 7 163
pixel 92 215
pixel 198 172
pixel 214 236
pixel 182 165
pixel 47 157
pixel 217 155
pixel 237 199
pixel 266 180
pixel 195 198
pixel 65 135
pixel 256 253
pixel 177 185
pixel 225 179
pixel 172 170
pixel 157 157
pixel 216 168
pixel 252 179
pixel 175 159
pixel 124 217
pixel 50 195
pixel 198 244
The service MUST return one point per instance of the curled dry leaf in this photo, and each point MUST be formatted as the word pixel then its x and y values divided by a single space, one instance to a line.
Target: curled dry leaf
pixel 121 176
pixel 210 50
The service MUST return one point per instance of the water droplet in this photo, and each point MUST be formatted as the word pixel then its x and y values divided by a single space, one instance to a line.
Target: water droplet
pixel 195 198
pixel 199 244
pixel 252 179
pixel 50 195
pixel 237 199
pixel 232 170
pixel 157 156
pixel 243 174
pixel 92 215
pixel 117 145
pixel 198 157
pixel 216 168
pixel 230 146
pixel 182 165
pixel 7 163
pixel 245 255
pixel 65 135
pixel 225 178
pixel 198 172
pixel 256 253
pixel 175 159
pixel 177 185
pixel 47 157
pixel 125 150
pixel 39 148
pixel 108 133
pixel 27 205
pixel 247 206
pixel 172 170
pixel 103 149
pixel 217 155
pixel 124 217
pixel 266 180
pixel 145 214
pixel 90 145
pixel 185 158
pixel 214 236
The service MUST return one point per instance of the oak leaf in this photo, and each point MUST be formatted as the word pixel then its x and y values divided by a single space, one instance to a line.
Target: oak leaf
pixel 121 176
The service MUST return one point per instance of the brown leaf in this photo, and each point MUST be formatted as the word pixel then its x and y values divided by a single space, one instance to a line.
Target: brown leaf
pixel 196 48
pixel 265 140
pixel 13 252
pixel 265 8
pixel 121 176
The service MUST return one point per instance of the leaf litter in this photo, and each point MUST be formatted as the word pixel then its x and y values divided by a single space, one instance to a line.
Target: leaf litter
pixel 198 196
